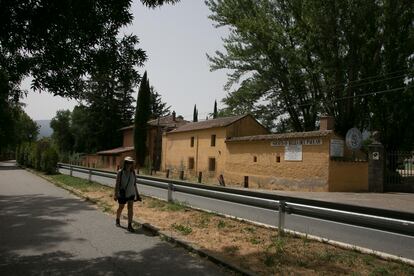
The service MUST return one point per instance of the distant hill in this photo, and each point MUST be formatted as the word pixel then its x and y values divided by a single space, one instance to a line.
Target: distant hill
pixel 45 130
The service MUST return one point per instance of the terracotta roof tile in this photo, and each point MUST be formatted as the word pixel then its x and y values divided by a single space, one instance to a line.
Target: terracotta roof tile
pixel 279 136
pixel 212 123
pixel 166 122
pixel 116 150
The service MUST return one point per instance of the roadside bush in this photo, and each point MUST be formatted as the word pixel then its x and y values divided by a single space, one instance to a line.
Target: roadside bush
pixel 17 153
pixel 41 146
pixel 49 160
pixel 31 160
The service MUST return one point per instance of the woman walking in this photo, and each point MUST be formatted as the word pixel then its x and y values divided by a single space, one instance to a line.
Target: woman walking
pixel 126 191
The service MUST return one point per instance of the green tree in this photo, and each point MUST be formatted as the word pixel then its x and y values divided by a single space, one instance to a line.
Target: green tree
pixel 195 114
pixel 19 128
pixel 158 107
pixel 62 131
pixel 81 130
pixel 109 91
pixel 142 115
pixel 49 160
pixel 215 112
pixel 295 60
pixel 55 42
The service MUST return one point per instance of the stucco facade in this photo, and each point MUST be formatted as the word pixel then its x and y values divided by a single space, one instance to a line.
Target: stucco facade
pixel 191 148
pixel 267 168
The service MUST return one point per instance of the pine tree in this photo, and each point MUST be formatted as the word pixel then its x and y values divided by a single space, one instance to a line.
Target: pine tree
pixel 195 114
pixel 142 115
pixel 158 107
pixel 215 113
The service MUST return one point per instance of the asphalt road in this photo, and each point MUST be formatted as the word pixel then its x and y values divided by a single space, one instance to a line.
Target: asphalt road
pixel 395 244
pixel 44 230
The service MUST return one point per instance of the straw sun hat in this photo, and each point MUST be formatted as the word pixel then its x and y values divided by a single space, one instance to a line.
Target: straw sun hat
pixel 129 159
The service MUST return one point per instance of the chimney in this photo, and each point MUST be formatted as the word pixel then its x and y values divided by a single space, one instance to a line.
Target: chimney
pixel 173 116
pixel 326 123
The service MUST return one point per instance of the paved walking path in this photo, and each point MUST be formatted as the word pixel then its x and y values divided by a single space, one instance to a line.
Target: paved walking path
pixel 44 230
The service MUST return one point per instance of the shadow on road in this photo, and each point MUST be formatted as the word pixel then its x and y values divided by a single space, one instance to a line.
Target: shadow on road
pixel 31 221
pixel 31 234
pixel 154 261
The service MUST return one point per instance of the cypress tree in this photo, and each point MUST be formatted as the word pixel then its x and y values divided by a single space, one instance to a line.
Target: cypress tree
pixel 195 114
pixel 142 115
pixel 215 110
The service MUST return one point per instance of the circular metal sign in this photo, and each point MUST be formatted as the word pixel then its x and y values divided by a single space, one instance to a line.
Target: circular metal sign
pixel 354 139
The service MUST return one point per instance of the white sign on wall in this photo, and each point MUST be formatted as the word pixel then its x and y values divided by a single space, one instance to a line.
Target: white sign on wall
pixel 293 153
pixel 314 141
pixel 337 148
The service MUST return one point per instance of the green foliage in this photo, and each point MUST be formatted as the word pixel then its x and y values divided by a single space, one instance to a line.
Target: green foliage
pixel 40 155
pixel 221 224
pixel 16 126
pixel 142 115
pixel 195 114
pixel 77 183
pixel 158 107
pixel 292 61
pixel 49 159
pixel 69 47
pixel 215 112
pixel 62 134
pixel 183 229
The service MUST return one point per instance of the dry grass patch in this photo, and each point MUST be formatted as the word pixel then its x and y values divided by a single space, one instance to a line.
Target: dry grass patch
pixel 252 247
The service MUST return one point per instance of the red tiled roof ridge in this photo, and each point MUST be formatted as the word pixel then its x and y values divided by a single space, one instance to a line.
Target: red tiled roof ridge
pixel 287 135
pixel 164 121
pixel 115 150
pixel 211 123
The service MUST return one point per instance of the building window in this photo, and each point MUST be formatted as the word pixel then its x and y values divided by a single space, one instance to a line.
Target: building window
pixel 192 142
pixel 254 159
pixel 213 140
pixel 212 164
pixel 191 163
pixel 278 159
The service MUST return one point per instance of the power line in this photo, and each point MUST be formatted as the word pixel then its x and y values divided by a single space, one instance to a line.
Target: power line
pixel 357 96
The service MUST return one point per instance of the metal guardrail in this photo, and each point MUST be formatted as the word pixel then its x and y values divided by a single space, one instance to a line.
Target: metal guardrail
pixel 374 218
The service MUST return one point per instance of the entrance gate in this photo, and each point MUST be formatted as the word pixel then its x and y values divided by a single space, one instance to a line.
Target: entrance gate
pixel 399 171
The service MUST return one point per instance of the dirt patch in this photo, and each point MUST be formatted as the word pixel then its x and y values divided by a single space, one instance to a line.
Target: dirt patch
pixel 249 246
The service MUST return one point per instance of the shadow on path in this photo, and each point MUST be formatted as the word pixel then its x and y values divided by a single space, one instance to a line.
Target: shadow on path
pixel 153 261
pixel 33 221
pixel 32 232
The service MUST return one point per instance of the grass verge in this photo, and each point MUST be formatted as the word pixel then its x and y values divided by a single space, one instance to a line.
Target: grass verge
pixel 252 247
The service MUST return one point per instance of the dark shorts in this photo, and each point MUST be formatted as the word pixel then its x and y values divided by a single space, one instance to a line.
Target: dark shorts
pixel 124 200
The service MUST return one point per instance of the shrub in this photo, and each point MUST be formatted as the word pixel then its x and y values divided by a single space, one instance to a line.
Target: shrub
pixel 41 146
pixel 49 160
pixel 17 154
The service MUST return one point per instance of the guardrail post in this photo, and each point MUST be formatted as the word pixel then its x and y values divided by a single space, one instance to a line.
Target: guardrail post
pixel 90 176
pixel 71 170
pixel 167 175
pixel 200 176
pixel 170 189
pixel 282 212
pixel 181 175
pixel 246 181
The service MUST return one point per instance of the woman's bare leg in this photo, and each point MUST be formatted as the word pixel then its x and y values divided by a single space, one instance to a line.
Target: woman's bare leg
pixel 130 211
pixel 119 211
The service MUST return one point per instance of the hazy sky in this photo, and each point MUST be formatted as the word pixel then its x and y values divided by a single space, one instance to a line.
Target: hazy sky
pixel 176 39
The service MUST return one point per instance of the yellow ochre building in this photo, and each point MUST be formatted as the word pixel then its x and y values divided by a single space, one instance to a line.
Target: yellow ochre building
pixel 240 146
